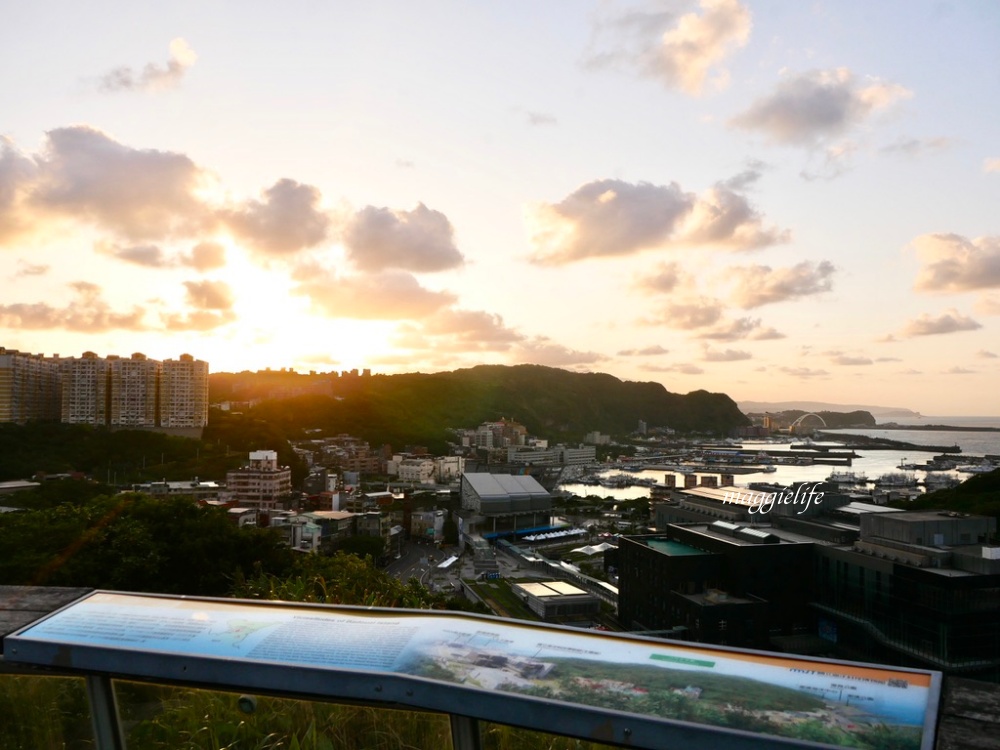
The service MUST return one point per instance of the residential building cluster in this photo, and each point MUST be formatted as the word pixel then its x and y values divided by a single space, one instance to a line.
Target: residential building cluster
pixel 136 392
pixel 489 435
pixel 845 579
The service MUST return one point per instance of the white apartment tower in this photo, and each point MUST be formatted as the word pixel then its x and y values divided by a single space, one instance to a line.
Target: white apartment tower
pixel 84 389
pixel 134 390
pixel 29 387
pixel 184 392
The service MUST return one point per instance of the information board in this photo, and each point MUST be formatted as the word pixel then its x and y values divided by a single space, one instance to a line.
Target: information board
pixel 835 703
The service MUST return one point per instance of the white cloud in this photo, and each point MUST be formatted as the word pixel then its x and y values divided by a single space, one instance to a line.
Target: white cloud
pixel 198 320
pixel 150 256
pixel 699 45
pixel 608 218
pixel 540 118
pixel 209 295
pixel 803 373
pixel 991 165
pixel 913 147
pixel 87 313
pixel 741 328
pixel 816 106
pixel 30 269
pixel 847 360
pixel 420 240
pixel 388 295
pixel 724 218
pixel 686 53
pixel 541 351
pixel 953 263
pixel 727 355
pixel 988 304
pixel 458 331
pixel 205 256
pixel 763 285
pixel 690 314
pixel 138 194
pixel 664 278
pixel 17 173
pixel 645 352
pixel 288 220
pixel 683 368
pixel 152 77
pixel 950 321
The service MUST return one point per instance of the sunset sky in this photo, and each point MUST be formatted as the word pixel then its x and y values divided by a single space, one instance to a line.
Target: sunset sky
pixel 776 200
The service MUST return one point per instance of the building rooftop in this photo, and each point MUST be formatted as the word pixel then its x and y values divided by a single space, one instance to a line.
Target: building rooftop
pixel 332 515
pixel 550 588
pixel 923 516
pixel 505 485
pixel 857 508
pixel 670 547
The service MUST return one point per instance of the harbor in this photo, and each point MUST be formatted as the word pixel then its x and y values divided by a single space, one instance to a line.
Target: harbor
pixel 882 473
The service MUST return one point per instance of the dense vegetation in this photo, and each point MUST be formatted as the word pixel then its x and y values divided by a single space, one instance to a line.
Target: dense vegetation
pixel 980 494
pixel 419 408
pixel 124 457
pixel 132 542
pixel 136 543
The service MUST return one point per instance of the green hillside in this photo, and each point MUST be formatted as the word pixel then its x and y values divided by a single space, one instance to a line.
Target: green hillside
pixel 980 494
pixel 419 408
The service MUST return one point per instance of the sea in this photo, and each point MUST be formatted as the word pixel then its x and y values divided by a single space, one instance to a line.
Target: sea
pixel 871 463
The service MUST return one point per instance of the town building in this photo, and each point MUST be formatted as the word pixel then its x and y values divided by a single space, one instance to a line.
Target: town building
pixel 262 484
pixel 134 391
pixel 558 601
pixel 194 488
pixel 427 525
pixel 852 580
pixel 501 434
pixel 137 392
pixel 497 505
pixel 85 389
pixel 559 455
pixel 184 393
pixel 29 387
pixel 416 470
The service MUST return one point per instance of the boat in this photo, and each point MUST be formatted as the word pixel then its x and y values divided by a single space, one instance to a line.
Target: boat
pixel 847 477
pixel 618 481
pixel 680 469
pixel 896 479
pixel 984 468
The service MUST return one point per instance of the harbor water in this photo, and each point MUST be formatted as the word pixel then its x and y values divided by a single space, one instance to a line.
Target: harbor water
pixel 872 463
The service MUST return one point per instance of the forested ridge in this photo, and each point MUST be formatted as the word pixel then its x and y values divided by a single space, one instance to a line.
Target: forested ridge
pixel 419 408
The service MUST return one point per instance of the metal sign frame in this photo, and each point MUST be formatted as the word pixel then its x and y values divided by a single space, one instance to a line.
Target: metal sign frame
pixel 347 654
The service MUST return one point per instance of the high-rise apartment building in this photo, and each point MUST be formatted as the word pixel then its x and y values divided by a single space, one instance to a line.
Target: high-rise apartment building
pixel 29 387
pixel 85 390
pixel 134 391
pixel 184 392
